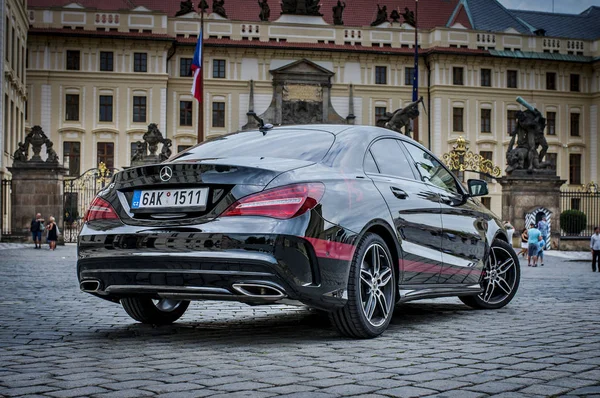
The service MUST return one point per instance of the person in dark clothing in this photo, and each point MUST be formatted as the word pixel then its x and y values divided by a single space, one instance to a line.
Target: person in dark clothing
pixel 37 226
pixel 52 233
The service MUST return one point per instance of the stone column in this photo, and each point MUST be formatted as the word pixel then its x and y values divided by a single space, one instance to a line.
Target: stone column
pixel 524 193
pixel 37 187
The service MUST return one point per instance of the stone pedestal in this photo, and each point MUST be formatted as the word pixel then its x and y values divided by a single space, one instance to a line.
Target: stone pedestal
pixel 526 195
pixel 37 187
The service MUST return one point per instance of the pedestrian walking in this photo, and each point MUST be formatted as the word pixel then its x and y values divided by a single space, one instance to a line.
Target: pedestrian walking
pixel 37 226
pixel 52 233
pixel 544 228
pixel 510 230
pixel 595 247
pixel 524 239
pixel 533 235
pixel 541 247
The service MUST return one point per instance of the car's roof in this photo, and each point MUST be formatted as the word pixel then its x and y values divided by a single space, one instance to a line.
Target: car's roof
pixel 336 129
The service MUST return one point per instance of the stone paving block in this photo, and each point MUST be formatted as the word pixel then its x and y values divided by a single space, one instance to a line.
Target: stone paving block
pixel 545 389
pixel 77 392
pixel 385 383
pixel 288 389
pixel 458 394
pixel 572 382
pixel 308 394
pixel 164 388
pixel 41 389
pixel 324 383
pixel 587 391
pixel 241 386
pixel 244 394
pixel 408 391
pixel 494 387
pixel 349 389
pixel 127 393
pixel 442 385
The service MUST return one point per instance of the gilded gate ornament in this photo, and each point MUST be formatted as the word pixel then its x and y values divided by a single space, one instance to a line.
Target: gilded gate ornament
pixel 461 159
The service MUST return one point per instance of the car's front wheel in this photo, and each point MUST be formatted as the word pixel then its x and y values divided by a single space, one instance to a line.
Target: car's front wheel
pixel 371 291
pixel 156 312
pixel 500 279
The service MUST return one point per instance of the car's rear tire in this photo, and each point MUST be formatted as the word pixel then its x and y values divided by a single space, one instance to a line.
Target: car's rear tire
pixel 500 279
pixel 155 312
pixel 371 291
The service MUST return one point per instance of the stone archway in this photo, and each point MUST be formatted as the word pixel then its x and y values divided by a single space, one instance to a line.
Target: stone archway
pixel 535 215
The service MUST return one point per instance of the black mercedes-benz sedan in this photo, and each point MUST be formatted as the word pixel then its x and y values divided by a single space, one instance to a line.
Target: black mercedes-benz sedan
pixel 350 220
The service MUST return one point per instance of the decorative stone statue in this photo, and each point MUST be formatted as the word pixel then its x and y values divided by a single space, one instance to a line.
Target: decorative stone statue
pixel 382 16
pixel 218 8
pixel 529 135
pixel 395 16
pixel 165 153
pixel 185 7
pixel 313 7
pixel 140 151
pixel 409 17
pixel 265 11
pixel 153 136
pixel 401 118
pixel 301 7
pixel 20 154
pixel 338 11
pixel 52 156
pixel 288 6
pixel 203 6
pixel 36 138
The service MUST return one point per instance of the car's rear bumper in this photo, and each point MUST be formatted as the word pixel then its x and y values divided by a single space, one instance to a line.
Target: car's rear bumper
pixel 251 268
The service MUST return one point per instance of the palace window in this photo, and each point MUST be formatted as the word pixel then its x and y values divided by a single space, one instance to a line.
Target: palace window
pixel 458 76
pixel 487 202
pixel 106 61
pixel 139 109
pixel 574 124
pixel 72 157
pixel 72 108
pixel 486 120
pixel 575 169
pixel 380 75
pixel 218 114
pixel 409 75
pixel 379 112
pixel 511 79
pixel 185 113
pixel 105 153
pixel 457 119
pixel 550 81
pixel 574 82
pixel 511 121
pixel 219 68
pixel 551 123
pixel 140 62
pixel 181 148
pixel 486 78
pixel 552 158
pixel 106 108
pixel 73 60
pixel 185 67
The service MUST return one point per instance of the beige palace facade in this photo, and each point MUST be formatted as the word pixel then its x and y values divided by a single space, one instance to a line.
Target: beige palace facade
pixel 97 75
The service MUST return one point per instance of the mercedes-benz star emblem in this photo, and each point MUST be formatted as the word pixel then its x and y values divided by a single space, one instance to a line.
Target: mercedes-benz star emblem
pixel 166 173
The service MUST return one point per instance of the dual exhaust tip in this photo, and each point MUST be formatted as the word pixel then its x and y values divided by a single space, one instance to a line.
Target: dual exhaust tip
pixel 256 290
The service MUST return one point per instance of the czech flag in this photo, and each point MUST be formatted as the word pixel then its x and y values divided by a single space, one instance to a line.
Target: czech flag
pixel 197 70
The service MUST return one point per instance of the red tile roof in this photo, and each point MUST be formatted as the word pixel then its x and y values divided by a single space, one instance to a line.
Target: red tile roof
pixel 431 13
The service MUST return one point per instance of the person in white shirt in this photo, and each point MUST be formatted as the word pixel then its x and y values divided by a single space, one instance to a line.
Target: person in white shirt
pixel 595 247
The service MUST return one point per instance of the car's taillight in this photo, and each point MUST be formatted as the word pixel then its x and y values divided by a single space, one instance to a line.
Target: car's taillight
pixel 283 202
pixel 100 209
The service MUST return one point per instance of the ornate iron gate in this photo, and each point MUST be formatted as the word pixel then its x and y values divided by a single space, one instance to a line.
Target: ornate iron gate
pixel 78 193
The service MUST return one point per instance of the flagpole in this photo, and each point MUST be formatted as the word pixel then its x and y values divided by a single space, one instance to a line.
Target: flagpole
pixel 201 104
pixel 415 96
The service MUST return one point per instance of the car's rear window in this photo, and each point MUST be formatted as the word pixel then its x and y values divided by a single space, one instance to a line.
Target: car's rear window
pixel 309 145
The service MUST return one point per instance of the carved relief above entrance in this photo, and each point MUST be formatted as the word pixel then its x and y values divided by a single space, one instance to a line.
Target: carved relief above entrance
pixel 301 95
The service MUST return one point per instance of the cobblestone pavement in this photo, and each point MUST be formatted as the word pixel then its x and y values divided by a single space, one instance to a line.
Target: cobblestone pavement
pixel 58 342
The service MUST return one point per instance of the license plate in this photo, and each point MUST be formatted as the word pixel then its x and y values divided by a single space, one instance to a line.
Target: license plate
pixel 170 198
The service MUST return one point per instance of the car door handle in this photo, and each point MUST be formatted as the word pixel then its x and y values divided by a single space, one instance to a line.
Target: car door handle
pixel 399 193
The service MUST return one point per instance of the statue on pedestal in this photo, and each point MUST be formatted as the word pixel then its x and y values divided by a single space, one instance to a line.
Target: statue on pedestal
pixel 400 119
pixel 140 151
pixel 265 11
pixel 165 153
pixel 52 155
pixel 382 16
pixel 185 7
pixel 218 8
pixel 409 17
pixel 529 135
pixel 338 11
pixel 203 6
pixel 20 154
pixel 301 7
pixel 395 16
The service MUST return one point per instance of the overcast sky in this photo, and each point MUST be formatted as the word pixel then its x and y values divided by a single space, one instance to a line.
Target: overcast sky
pixel 564 6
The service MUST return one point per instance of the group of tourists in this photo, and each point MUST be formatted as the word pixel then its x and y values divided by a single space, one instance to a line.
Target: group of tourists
pixel 533 242
pixel 38 228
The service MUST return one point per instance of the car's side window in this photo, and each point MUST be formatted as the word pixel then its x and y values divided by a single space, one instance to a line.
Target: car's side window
pixel 390 158
pixel 431 170
pixel 370 166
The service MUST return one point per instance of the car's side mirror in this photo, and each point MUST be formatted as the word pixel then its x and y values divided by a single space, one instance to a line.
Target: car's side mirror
pixel 477 187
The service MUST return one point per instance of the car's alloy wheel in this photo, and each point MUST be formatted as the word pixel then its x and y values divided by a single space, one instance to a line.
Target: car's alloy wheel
pixel 371 291
pixel 157 312
pixel 500 278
